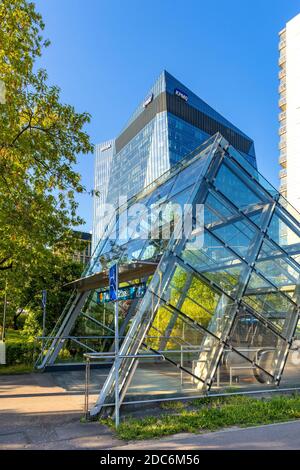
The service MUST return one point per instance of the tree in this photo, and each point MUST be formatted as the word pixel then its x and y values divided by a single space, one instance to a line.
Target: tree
pixel 40 139
pixel 53 279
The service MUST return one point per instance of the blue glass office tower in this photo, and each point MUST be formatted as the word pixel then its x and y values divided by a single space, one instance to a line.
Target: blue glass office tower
pixel 169 123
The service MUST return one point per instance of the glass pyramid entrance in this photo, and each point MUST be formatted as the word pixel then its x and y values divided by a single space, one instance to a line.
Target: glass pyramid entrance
pixel 221 299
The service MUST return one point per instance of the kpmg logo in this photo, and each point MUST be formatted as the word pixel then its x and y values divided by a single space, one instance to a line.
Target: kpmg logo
pixel 107 147
pixel 181 94
pixel 148 100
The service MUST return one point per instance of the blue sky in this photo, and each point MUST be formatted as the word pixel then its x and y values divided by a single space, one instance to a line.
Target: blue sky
pixel 105 54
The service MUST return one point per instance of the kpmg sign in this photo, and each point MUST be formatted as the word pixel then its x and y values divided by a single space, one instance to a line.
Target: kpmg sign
pixel 181 94
pixel 103 149
pixel 148 100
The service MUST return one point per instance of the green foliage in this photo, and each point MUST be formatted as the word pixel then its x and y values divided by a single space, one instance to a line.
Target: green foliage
pixel 213 414
pixel 20 350
pixel 31 327
pixel 174 405
pixel 199 305
pixel 55 275
pixel 15 369
pixel 40 138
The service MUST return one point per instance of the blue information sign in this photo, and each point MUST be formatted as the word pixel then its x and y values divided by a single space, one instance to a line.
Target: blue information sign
pixel 113 282
pixel 136 291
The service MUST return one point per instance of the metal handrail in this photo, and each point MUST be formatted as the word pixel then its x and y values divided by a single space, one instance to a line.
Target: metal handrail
pixel 90 356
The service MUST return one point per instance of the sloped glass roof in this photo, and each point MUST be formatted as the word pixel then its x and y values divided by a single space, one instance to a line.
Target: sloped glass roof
pixel 223 299
pixel 205 298
pixel 175 186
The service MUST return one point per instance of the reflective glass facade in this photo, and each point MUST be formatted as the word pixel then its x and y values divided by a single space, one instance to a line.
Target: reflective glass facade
pixel 221 313
pixel 231 305
pixel 169 123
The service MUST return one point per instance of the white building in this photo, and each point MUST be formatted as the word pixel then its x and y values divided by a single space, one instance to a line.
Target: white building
pixel 103 161
pixel 289 117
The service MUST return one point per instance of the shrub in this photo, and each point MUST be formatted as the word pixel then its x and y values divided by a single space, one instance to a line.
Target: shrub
pixel 20 350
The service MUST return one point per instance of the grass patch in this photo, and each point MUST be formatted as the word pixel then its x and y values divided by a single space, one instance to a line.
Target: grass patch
pixel 212 414
pixel 15 369
pixel 174 405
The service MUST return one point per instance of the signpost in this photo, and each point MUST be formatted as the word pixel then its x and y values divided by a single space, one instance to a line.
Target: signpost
pixel 4 312
pixel 2 342
pixel 2 352
pixel 113 294
pixel 44 303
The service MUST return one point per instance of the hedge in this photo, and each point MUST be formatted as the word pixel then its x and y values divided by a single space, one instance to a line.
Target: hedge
pixel 20 351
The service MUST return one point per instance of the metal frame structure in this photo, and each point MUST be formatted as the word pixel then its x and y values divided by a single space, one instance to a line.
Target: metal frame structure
pixel 246 270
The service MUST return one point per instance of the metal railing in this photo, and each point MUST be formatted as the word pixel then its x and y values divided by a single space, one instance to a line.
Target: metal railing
pixel 76 339
pixel 103 355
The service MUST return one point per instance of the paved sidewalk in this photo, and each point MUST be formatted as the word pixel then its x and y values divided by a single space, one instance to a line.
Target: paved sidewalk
pixel 36 412
pixel 43 411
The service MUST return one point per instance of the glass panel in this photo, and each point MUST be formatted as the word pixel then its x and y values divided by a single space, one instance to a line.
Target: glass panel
pixel 232 227
pixel 250 201
pixel 237 373
pixel 160 379
pixel 290 209
pixel 258 343
pixel 188 176
pixel 131 251
pixel 291 372
pixel 198 301
pixel 170 330
pixel 160 194
pixel 254 173
pixel 153 249
pixel 182 197
pixel 286 233
pixel 267 301
pixel 275 265
pixel 216 263
pixel 182 342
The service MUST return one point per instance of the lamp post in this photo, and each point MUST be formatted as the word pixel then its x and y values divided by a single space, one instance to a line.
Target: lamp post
pixel 113 294
pixel 44 303
pixel 4 311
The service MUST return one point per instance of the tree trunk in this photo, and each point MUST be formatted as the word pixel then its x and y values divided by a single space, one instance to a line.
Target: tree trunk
pixel 15 319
